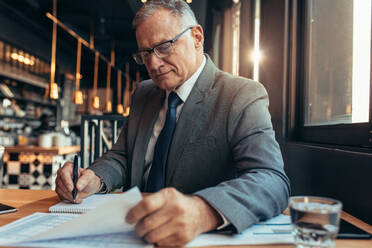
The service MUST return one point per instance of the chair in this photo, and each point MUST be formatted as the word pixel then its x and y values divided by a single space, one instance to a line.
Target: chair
pixel 98 133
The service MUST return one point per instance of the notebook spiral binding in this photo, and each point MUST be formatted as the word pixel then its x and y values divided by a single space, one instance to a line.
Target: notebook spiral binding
pixel 69 210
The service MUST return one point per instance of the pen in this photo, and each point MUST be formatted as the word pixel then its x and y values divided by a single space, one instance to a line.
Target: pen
pixel 75 176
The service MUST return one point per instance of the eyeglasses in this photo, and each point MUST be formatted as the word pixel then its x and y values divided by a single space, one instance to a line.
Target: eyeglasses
pixel 162 50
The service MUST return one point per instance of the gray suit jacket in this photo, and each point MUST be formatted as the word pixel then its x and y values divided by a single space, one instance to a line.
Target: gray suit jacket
pixel 223 148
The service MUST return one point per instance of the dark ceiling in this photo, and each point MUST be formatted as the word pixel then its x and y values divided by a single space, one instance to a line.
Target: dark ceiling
pixel 109 20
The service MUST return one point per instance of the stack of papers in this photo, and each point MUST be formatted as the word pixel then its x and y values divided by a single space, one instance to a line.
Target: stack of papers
pixel 25 233
pixel 104 226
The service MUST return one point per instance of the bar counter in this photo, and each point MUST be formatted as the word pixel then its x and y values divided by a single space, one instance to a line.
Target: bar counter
pixel 33 167
pixel 38 149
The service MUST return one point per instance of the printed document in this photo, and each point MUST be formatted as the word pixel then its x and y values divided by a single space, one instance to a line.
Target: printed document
pixel 101 227
pixel 277 230
pixel 105 226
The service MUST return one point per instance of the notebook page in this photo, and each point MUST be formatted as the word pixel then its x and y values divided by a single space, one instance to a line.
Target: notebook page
pixel 108 217
pixel 88 203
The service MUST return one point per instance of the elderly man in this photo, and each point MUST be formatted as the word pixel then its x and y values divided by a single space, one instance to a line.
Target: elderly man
pixel 200 139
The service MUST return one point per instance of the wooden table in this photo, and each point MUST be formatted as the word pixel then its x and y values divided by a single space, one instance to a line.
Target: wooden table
pixel 30 201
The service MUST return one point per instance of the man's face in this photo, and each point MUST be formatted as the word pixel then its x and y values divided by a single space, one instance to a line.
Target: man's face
pixel 172 71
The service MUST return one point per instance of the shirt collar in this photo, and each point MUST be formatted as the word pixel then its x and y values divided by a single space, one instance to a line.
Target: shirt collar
pixel 185 89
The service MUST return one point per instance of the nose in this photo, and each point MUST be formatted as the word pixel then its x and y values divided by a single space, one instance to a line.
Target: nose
pixel 153 62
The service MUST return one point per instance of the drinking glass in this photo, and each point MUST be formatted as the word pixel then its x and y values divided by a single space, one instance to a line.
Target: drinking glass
pixel 315 221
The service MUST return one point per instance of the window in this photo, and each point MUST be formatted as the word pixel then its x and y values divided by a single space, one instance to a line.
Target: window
pixel 335 78
pixel 338 62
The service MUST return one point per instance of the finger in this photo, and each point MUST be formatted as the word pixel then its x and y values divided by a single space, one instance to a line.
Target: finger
pixel 60 194
pixel 167 237
pixel 157 234
pixel 62 191
pixel 63 195
pixel 151 222
pixel 88 182
pixel 170 234
pixel 176 231
pixel 65 175
pixel 80 196
pixel 67 195
pixel 60 186
pixel 145 207
pixel 174 240
pixel 78 199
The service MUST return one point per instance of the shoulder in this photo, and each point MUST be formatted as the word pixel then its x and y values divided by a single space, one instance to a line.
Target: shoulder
pixel 141 93
pixel 143 88
pixel 239 89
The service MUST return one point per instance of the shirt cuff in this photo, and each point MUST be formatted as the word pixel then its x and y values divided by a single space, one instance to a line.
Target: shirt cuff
pixel 225 222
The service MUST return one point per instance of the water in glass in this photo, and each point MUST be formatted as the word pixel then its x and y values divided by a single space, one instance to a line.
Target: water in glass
pixel 315 222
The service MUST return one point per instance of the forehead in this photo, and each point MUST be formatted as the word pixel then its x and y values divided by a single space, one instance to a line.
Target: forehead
pixel 159 27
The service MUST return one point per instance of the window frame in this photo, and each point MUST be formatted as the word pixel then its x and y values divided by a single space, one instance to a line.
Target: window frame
pixel 356 134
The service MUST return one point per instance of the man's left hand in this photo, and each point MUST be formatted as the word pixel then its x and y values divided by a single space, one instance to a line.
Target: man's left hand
pixel 170 218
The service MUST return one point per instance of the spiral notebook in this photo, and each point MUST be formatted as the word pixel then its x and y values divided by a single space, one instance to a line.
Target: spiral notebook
pixel 88 203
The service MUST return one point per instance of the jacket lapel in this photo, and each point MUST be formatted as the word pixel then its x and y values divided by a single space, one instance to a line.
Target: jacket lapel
pixel 191 117
pixel 149 115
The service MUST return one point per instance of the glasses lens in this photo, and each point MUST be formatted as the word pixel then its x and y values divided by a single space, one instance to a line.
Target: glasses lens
pixel 138 58
pixel 163 50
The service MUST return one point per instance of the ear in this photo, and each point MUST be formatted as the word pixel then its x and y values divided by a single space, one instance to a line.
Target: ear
pixel 198 35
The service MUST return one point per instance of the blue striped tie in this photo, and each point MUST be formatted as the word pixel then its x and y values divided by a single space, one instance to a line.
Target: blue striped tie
pixel 156 179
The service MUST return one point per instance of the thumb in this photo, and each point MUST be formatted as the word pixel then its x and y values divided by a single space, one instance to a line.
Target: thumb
pixel 87 181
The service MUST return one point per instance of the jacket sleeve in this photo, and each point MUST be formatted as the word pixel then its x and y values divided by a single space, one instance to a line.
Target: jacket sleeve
pixel 261 188
pixel 112 167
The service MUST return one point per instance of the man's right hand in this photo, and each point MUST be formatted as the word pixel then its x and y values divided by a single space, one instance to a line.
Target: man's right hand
pixel 88 183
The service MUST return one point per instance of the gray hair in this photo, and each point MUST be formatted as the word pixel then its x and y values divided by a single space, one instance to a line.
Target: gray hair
pixel 178 8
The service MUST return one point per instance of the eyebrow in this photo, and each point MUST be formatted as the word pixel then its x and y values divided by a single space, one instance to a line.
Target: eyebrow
pixel 156 44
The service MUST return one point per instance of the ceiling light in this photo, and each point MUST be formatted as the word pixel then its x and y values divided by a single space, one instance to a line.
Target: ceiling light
pixel 53 94
pixel 14 56
pixel 78 97
pixel 78 94
pixel 143 1
pixel 27 61
pixel 126 112
pixel 188 1
pixel 53 87
pixel 95 102
pixel 119 106
pixel 119 109
pixel 108 107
